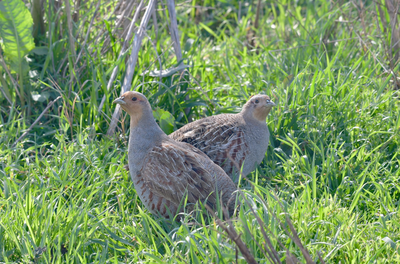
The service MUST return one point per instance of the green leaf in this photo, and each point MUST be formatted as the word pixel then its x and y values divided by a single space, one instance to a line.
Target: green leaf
pixel 165 119
pixel 16 31
pixel 390 242
pixel 188 44
pixel 41 50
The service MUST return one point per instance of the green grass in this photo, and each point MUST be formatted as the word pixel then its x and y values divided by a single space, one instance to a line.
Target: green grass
pixel 333 160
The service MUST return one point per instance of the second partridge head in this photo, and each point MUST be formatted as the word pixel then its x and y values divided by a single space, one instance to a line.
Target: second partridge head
pixel 258 107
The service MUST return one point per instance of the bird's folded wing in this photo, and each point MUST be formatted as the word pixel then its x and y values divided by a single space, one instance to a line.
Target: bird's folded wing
pixel 218 141
pixel 172 171
pixel 206 134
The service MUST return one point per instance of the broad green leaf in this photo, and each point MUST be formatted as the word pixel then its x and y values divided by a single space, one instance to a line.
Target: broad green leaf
pixel 15 31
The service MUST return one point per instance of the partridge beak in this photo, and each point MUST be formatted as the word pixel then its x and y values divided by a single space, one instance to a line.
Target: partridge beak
pixel 270 104
pixel 119 100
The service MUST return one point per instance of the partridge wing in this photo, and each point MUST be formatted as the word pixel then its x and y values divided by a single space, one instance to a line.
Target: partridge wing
pixel 173 171
pixel 219 138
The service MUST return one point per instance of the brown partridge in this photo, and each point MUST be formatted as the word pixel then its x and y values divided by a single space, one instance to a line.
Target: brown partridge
pixel 165 171
pixel 241 137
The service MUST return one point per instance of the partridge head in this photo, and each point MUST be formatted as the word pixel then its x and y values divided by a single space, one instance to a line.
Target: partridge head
pixel 258 107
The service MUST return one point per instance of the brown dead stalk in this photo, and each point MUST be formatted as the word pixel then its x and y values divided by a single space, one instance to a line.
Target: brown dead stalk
pixel 232 233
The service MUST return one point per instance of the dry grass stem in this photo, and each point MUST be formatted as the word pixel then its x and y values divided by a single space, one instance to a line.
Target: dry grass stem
pixel 131 64
pixel 232 233
pixel 122 52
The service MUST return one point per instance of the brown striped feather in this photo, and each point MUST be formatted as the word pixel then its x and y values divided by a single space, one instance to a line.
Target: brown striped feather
pixel 171 172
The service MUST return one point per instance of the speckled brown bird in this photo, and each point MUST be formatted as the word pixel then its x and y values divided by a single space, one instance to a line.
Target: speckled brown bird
pixel 165 171
pixel 243 136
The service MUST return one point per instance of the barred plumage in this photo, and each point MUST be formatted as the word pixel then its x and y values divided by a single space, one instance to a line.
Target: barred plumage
pixel 164 171
pixel 241 137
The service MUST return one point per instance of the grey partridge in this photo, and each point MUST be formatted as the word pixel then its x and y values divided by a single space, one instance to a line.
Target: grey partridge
pixel 165 171
pixel 232 140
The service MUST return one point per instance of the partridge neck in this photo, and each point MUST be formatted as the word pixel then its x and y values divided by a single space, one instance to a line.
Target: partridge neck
pixel 144 135
pixel 254 115
pixel 261 114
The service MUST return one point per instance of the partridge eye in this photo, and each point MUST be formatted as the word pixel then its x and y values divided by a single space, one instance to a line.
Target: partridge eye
pixel 134 99
pixel 257 101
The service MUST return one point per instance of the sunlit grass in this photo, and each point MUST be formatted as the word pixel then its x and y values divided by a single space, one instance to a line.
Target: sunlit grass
pixel 333 159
